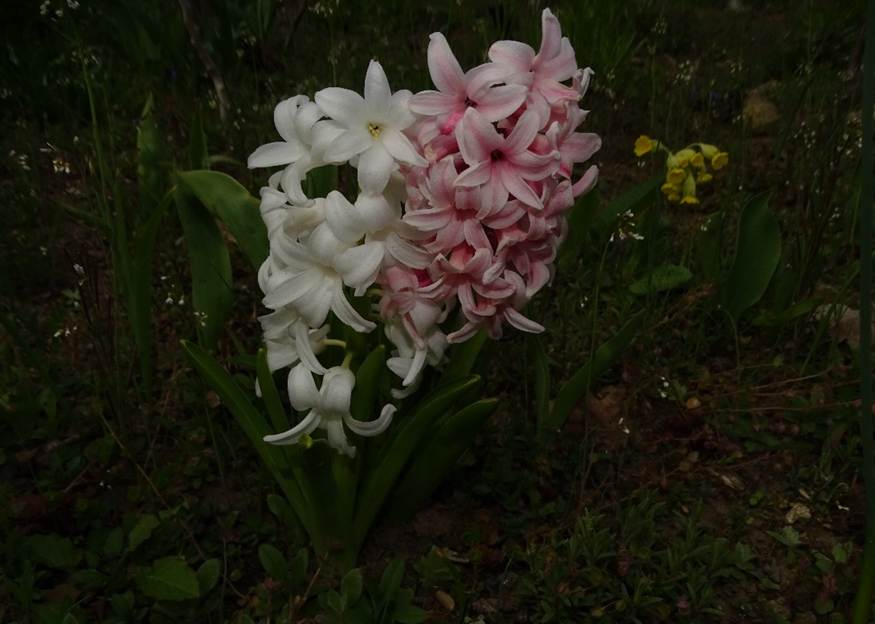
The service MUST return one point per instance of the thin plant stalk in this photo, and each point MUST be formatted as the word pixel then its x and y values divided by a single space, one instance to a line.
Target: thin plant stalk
pixel 863 600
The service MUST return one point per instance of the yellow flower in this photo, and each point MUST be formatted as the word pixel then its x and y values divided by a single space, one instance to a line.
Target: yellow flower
pixel 704 177
pixel 669 189
pixel 708 151
pixel 644 145
pixel 674 198
pixel 719 160
pixel 682 157
pixel 698 161
pixel 676 176
pixel 689 191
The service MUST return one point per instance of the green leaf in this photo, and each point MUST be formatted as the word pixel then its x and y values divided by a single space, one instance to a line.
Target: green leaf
pixel 321 181
pixel 254 426
pixel 210 266
pixel 633 200
pixel 152 163
pixel 462 358
pixel 664 277
pixel 197 146
pixel 169 578
pixel 282 510
pixel 452 436
pixel 351 586
pixel 54 551
pixel 270 395
pixel 142 531
pixel 231 203
pixel 390 582
pixel 410 437
pixel 273 562
pixel 758 251
pixel 298 566
pixel 208 575
pixel 578 386
pixel 542 378
pixel 115 542
pixel 367 384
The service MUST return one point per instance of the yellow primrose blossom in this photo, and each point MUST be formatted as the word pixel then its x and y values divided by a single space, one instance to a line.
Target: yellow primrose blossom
pixel 676 176
pixel 698 160
pixel 674 198
pixel 644 145
pixel 720 160
pixel 704 177
pixel 669 189
pixel 689 190
pixel 683 157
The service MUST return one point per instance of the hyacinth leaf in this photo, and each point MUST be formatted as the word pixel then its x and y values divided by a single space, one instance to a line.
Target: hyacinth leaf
pixel 321 181
pixel 462 358
pixel 662 278
pixel 758 251
pixel 210 266
pixel 232 204
pixel 197 147
pixel 709 245
pixel 140 288
pixel 363 404
pixel 152 163
pixel 632 200
pixel 578 386
pixel 452 436
pixel 270 395
pixel 253 424
pixel 412 432
pixel 542 378
pixel 580 221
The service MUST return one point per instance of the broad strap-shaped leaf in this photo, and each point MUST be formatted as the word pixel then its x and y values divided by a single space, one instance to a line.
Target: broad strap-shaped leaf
pixel 210 266
pixel 453 435
pixel 228 201
pixel 462 358
pixel 758 251
pixel 363 405
pixel 413 431
pixel 253 425
pixel 580 383
pixel 270 395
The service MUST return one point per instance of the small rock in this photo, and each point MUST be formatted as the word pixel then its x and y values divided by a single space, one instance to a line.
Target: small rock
pixel 445 599
pixel 693 403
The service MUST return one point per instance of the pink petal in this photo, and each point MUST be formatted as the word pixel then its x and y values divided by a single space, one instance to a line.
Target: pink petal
pixel 523 133
pixel 484 76
pixel 517 55
pixel 477 137
pixel 476 175
pixel 561 67
pixel 433 103
pixel 501 102
pixel 521 322
pixel 585 183
pixel 551 35
pixel 580 146
pixel 445 71
pixel 428 220
pixel 517 187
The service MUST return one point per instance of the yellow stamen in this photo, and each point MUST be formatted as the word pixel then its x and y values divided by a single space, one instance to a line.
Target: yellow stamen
pixel 375 130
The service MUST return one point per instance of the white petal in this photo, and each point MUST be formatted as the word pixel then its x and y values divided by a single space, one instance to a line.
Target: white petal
pixel 343 218
pixel 302 388
pixel 375 166
pixel 306 426
pixel 337 437
pixel 273 154
pixel 415 367
pixel 280 354
pixel 377 92
pixel 401 148
pixel 290 290
pixel 407 253
pixel 314 307
pixel 348 315
pixel 371 428
pixel 305 349
pixel 336 391
pixel 344 106
pixel 359 266
pixel 351 143
pixel 284 116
